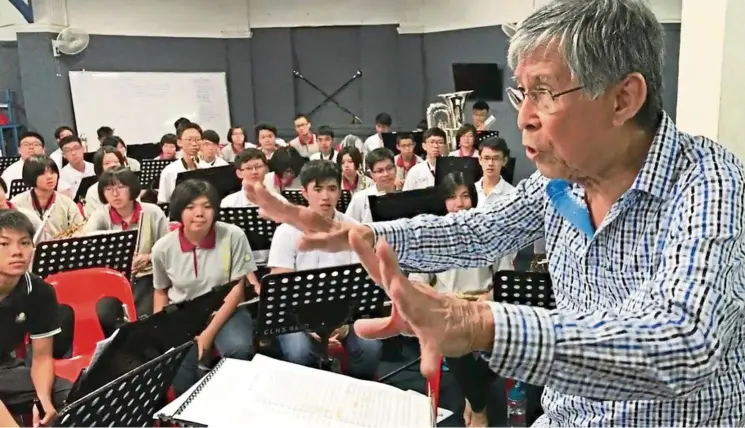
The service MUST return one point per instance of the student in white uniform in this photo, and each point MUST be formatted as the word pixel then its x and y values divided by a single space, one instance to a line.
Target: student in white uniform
pixel 105 158
pixel 422 175
pixel 470 371
pixel 168 147
pixel 350 162
pixel 466 138
pixel 266 139
pixel 189 262
pixel 77 167
pixel 325 138
pixel 493 156
pixel 405 159
pixel 482 120
pixel 60 133
pixel 30 144
pixel 321 187
pixel 383 173
pixel 209 150
pixel 189 139
pixel 120 187
pixel 305 143
pixel 285 168
pixel 383 122
pixel 5 204
pixel 236 144
pixel 40 173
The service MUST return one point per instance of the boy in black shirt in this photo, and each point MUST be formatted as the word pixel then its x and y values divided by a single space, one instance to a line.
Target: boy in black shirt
pixel 28 305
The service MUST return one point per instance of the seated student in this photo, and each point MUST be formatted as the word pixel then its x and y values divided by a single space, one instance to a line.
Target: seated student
pixel 305 143
pixel 422 175
pixel 187 263
pixel 40 174
pixel 209 150
pixel 60 133
pixel 285 167
pixel 493 156
pixel 77 167
pixel 325 138
pixel 383 122
pixel 383 173
pixel 189 139
pixel 349 161
pixel 105 158
pixel 168 147
pixel 119 187
pixel 266 139
pixel 236 144
pixel 320 181
pixel 31 144
pixel 28 306
pixel 104 132
pixel 470 371
pixel 405 159
pixel 466 137
pixel 130 163
pixel 5 204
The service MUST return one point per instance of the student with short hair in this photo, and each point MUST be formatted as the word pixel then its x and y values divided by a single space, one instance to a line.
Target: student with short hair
pixel 5 204
pixel 321 187
pixel 77 167
pixel 466 138
pixel 105 158
pixel 120 187
pixel 325 139
pixel 350 161
pixel 383 122
pixel 482 120
pixel 383 172
pixel 168 147
pixel 60 133
pixel 28 307
pixel 266 139
pixel 422 175
pixel 40 173
pixel 305 143
pixel 285 168
pixel 236 144
pixel 104 132
pixel 209 150
pixel 493 156
pixel 406 158
pixel 189 140
pixel 29 144
pixel 121 146
pixel 179 123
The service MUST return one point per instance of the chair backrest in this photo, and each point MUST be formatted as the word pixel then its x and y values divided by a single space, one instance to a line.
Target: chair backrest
pixel 81 290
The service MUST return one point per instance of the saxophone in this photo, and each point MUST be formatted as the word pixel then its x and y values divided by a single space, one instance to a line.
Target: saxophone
pixel 448 115
pixel 70 232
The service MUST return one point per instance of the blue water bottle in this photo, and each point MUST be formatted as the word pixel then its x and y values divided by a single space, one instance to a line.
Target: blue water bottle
pixel 516 406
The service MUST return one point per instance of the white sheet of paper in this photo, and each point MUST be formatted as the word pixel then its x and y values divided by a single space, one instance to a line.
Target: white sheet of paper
pixel 442 414
pixel 100 347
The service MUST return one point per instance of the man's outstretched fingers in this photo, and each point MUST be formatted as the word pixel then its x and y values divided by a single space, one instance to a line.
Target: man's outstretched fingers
pixel 367 256
pixel 430 363
pixel 376 328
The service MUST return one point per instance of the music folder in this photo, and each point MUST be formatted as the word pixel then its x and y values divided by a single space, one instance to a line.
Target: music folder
pixel 469 166
pixel 85 184
pixel 222 178
pixel 408 204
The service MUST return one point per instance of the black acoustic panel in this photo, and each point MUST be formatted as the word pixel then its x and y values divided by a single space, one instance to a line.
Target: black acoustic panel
pixel 524 288
pixel 150 170
pixel 259 231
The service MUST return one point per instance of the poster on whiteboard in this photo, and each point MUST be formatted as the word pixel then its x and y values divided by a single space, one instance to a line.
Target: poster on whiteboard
pixel 141 107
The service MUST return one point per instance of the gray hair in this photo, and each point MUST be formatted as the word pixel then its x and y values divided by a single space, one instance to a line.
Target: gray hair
pixel 602 42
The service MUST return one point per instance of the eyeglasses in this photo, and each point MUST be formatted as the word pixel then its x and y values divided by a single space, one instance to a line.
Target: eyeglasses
pixel 252 168
pixel 387 168
pixel 31 145
pixel 543 99
pixel 117 188
pixel 192 140
pixel 497 159
pixel 68 150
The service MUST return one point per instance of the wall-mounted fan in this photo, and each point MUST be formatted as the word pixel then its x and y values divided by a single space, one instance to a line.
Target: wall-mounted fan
pixel 70 42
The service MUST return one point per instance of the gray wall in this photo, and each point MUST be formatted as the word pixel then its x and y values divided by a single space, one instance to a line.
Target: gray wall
pixel 401 73
pixel 10 77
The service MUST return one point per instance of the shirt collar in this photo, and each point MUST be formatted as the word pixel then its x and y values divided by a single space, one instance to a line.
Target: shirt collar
pixel 117 219
pixel 207 243
pixel 10 205
pixel 658 171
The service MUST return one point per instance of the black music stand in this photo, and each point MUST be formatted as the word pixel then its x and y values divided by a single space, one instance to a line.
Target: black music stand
pixel 85 184
pixel 483 135
pixel 318 301
pixel 150 170
pixel 389 141
pixel 222 178
pixel 129 400
pixel 165 207
pixel 409 204
pixel 144 151
pixel 112 250
pixel 524 288
pixel 6 161
pixel 344 199
pixel 469 166
pixel 16 188
pixel 259 231
pixel 296 197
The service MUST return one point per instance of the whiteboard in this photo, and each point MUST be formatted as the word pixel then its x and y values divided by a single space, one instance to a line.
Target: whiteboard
pixel 141 107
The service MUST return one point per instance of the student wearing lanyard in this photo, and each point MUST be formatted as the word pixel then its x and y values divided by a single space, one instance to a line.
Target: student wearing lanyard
pixel 5 204
pixel 189 140
pixel 41 174
pixel 422 175
pixel 321 187
pixel 383 172
pixel 466 138
pixel 105 158
pixel 119 187
pixel 350 163
pixel 187 263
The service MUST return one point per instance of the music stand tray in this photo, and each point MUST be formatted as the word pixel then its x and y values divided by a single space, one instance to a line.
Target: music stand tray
pixel 130 400
pixel 150 170
pixel 317 301
pixel 111 250
pixel 259 231
pixel 524 288
pixel 16 188
pixel 296 197
pixel 408 204
pixel 222 178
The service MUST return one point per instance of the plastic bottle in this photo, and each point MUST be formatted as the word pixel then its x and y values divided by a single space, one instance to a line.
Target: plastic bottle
pixel 516 406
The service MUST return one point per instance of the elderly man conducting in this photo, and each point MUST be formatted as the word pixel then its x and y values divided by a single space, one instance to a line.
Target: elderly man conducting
pixel 644 232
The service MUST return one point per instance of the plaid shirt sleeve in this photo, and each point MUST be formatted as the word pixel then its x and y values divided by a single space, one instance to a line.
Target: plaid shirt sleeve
pixel 472 238
pixel 666 348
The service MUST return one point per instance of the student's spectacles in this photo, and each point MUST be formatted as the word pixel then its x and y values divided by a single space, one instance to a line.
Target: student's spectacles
pixel 252 168
pixel 497 159
pixel 387 168
pixel 543 99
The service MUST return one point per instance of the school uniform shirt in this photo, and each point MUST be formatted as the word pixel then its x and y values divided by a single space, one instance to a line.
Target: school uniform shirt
pixel 332 157
pixel 70 178
pixel 92 201
pixel 56 156
pixel 272 182
pixel 168 179
pixel 359 206
pixel 464 280
pixel 502 188
pixel 305 150
pixel 363 182
pixel 63 213
pixel 133 164
pixel 13 172
pixel 188 271
pixel 420 176
pixel 154 226
pixel 459 154
pixel 229 154
pixel 33 218
pixel 402 168
pixel 284 252
pixel 280 142
pixel 371 143
pixel 203 164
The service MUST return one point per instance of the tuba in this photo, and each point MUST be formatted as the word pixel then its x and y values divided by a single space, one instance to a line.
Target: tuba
pixel 448 115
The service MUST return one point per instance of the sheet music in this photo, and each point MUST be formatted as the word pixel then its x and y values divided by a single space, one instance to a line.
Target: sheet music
pixel 100 347
pixel 274 391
